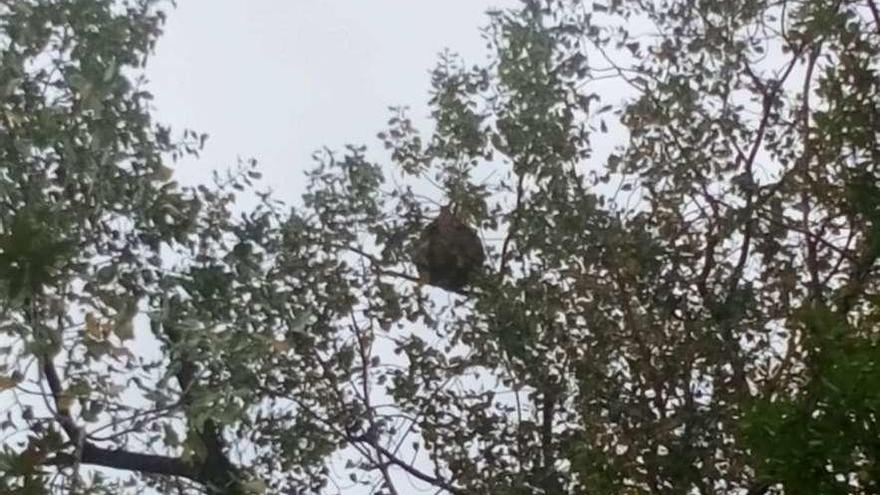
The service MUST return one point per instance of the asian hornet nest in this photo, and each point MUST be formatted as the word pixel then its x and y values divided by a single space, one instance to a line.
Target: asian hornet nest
pixel 448 253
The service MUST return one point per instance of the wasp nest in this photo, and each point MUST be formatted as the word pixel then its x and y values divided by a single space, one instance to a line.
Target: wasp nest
pixel 448 253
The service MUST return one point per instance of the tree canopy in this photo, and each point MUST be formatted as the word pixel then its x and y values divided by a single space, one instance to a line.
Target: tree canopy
pixel 679 203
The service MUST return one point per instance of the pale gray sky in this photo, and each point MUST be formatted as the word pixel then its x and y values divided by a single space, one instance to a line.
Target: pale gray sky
pixel 278 79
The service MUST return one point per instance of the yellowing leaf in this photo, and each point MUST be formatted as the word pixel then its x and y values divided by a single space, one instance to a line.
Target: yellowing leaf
pixel 64 402
pixel 31 458
pixel 93 327
pixel 280 346
pixel 7 382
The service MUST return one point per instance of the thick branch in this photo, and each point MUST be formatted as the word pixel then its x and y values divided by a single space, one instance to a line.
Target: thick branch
pixel 216 469
pixel 129 461
pixel 113 458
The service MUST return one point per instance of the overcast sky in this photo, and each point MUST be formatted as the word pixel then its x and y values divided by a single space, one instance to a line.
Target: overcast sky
pixel 278 79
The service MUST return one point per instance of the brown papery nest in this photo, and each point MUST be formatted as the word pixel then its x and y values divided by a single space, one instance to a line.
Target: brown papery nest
pixel 448 253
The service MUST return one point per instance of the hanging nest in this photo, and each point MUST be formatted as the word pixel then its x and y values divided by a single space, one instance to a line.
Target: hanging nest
pixel 448 253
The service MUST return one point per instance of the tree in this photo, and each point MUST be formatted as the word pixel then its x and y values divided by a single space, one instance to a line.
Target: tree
pixel 691 308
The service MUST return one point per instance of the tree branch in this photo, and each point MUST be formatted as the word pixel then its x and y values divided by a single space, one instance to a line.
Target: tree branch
pixel 393 459
pixel 875 13
pixel 216 470
pixel 99 456
pixel 125 460
pixel 376 263
pixel 511 230
pixel 373 426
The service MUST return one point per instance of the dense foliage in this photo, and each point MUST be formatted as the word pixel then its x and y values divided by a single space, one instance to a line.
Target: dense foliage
pixel 680 205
